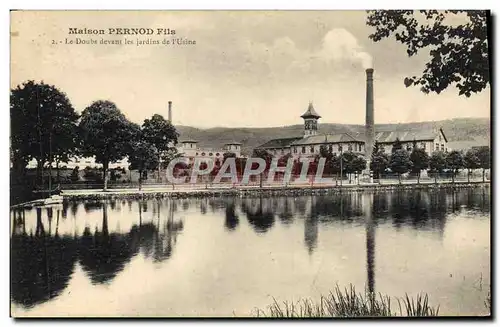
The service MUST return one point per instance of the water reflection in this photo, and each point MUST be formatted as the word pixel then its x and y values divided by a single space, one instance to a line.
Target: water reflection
pixel 104 237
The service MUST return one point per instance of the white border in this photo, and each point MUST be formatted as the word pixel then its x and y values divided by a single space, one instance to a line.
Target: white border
pixel 177 5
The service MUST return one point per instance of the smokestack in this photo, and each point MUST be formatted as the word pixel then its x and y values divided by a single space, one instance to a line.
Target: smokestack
pixel 369 124
pixel 170 112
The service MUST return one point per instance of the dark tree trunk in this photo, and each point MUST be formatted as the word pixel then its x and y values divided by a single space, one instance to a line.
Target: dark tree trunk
pixel 468 175
pixel 399 178
pixel 140 180
pixel 57 171
pixel 105 174
pixel 483 174
pixel 453 176
pixel 418 177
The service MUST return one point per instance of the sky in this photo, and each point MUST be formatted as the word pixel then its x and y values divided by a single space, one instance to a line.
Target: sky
pixel 247 68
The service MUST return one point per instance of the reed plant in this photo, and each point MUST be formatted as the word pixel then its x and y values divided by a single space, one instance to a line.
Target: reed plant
pixel 348 303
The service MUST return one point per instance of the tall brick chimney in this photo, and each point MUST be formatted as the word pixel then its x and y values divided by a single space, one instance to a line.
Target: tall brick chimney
pixel 170 111
pixel 369 123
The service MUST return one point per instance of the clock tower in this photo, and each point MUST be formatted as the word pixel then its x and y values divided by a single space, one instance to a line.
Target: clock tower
pixel 310 121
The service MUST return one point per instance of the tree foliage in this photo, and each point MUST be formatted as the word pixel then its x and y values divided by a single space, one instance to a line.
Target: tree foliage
pixel 484 155
pixel 43 124
pixel 437 162
pixel 458 51
pixel 142 157
pixel 379 161
pixel 419 159
pixel 396 146
pixel 106 134
pixel 159 132
pixel 400 162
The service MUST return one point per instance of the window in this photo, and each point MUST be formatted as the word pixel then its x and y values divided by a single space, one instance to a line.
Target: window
pixel 197 153
pixel 359 147
pixel 191 145
pixel 217 154
pixel 303 149
pixel 349 147
pixel 340 147
pixel 442 147
pixel 408 147
pixel 282 151
pixel 294 149
pixel 437 146
pixel 210 154
pixel 312 149
pixel 203 153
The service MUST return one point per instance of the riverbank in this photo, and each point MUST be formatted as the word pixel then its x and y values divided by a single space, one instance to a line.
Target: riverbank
pixel 250 191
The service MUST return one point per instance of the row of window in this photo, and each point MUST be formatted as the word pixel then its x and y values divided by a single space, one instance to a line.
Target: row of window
pixel 210 154
pixel 442 147
pixel 350 147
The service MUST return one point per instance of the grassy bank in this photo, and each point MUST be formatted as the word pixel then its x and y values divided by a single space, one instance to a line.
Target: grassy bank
pixel 349 303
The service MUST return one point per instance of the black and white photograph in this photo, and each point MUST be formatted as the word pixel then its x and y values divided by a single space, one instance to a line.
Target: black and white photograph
pixel 250 164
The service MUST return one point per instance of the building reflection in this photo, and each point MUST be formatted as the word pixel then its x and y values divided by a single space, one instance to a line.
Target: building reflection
pixel 370 241
pixel 311 225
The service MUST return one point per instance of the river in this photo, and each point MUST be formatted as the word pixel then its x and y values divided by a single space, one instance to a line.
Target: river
pixel 228 256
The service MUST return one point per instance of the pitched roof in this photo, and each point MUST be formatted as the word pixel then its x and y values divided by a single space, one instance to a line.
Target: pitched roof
pixel 232 143
pixel 279 143
pixel 188 141
pixel 310 113
pixel 405 136
pixel 327 138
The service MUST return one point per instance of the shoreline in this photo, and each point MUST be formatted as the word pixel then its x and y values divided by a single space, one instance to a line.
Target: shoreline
pixel 249 191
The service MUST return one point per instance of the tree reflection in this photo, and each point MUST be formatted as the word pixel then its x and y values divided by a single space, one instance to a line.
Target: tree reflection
pixel 260 215
pixel 103 254
pixel 232 221
pixel 41 265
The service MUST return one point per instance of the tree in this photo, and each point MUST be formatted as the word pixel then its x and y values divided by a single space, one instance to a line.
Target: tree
pixel 420 161
pixel 263 154
pixel 143 157
pixel 471 161
pixel 43 125
pixel 379 162
pixel 400 162
pixel 484 156
pixel 437 163
pixel 161 133
pixel 396 146
pixel 454 161
pixel 349 164
pixel 458 52
pixel 106 134
pixel 75 174
pixel 358 165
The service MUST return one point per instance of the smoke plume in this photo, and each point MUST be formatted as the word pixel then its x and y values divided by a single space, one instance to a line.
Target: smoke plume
pixel 340 45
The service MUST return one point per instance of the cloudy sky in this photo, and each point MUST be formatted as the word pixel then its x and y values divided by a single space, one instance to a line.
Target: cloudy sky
pixel 246 69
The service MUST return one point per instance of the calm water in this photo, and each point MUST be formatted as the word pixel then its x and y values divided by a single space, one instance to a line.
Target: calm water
pixel 224 257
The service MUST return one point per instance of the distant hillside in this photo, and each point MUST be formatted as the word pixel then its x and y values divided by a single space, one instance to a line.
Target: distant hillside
pixel 462 133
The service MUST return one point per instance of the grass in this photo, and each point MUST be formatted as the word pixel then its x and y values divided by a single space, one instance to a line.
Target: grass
pixel 349 303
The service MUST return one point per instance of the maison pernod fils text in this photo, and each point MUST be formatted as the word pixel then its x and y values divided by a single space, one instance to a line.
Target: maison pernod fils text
pixel 121 31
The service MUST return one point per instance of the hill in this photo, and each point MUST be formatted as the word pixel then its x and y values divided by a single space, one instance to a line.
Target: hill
pixel 462 133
